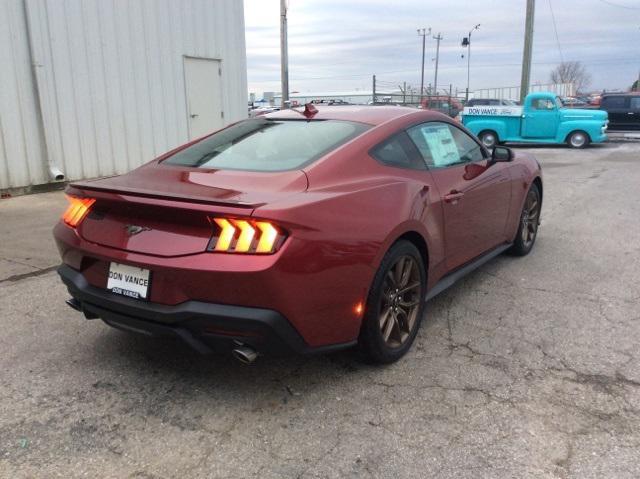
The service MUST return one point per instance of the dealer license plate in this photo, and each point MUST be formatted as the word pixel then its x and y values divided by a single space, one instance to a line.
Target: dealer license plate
pixel 128 281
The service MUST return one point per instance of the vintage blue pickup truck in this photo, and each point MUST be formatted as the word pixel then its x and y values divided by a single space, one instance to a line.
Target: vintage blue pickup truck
pixel 542 119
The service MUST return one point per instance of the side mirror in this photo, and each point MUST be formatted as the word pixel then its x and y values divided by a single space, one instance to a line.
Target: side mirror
pixel 501 154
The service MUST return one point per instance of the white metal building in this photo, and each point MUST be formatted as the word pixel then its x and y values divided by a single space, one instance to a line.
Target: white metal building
pixel 92 88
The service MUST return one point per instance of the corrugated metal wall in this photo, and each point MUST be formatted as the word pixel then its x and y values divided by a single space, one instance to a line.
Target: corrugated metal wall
pixel 110 77
pixel 21 149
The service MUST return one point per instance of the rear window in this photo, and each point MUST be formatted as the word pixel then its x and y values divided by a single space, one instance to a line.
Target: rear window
pixel 614 102
pixel 268 145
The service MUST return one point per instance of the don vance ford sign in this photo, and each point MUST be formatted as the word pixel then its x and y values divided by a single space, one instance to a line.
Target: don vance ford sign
pixel 493 111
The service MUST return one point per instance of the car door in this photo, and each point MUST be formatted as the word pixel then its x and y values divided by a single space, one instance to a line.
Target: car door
pixel 619 109
pixel 635 112
pixel 475 196
pixel 541 119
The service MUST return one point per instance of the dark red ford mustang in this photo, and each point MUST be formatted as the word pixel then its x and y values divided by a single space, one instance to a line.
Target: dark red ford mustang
pixel 303 231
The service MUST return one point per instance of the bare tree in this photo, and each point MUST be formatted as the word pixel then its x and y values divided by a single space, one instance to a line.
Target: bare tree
pixel 571 72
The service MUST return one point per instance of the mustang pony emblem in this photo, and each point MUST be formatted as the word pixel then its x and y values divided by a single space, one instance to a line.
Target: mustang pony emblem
pixel 135 229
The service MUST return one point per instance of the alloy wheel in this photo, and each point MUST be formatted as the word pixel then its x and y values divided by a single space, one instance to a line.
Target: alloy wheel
pixel 530 218
pixel 400 301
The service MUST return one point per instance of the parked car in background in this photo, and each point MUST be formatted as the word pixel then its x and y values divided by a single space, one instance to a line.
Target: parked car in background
pixel 490 101
pixel 448 105
pixel 623 110
pixel 542 119
pixel 262 110
pixel 595 100
pixel 330 101
pixel 304 231
pixel 573 102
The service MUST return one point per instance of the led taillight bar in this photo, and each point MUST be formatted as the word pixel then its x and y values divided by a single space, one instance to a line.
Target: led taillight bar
pixel 77 210
pixel 235 235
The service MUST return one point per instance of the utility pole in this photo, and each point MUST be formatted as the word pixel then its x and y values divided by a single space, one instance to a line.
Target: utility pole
pixel 423 33
pixel 373 92
pixel 466 42
pixel 284 56
pixel 637 82
pixel 435 80
pixel 526 56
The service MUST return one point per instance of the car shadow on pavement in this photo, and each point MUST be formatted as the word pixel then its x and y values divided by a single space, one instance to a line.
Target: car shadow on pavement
pixel 166 364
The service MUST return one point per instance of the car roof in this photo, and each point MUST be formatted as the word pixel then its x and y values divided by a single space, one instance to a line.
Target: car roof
pixel 628 93
pixel 371 114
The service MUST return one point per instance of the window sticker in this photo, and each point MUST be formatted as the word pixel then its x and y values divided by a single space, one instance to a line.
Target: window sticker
pixel 442 146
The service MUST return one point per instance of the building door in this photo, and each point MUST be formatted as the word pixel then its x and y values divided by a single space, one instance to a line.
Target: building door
pixel 204 95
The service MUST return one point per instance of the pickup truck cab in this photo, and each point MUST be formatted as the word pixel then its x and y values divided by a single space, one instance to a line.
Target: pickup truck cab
pixel 542 119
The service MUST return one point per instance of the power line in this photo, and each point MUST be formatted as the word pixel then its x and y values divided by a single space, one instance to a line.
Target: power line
pixel 611 61
pixel 555 29
pixel 607 2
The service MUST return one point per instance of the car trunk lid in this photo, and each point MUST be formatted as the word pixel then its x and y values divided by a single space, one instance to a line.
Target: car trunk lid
pixel 166 211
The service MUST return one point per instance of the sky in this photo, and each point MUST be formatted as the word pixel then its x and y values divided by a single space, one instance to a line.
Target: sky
pixel 337 45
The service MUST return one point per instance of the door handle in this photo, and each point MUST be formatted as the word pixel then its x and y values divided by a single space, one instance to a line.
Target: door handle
pixel 629 113
pixel 453 197
pixel 193 115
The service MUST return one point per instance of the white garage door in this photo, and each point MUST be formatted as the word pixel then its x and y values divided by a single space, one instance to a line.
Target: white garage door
pixel 204 95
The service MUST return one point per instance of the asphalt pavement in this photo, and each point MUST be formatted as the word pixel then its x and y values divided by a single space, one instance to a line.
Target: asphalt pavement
pixel 528 368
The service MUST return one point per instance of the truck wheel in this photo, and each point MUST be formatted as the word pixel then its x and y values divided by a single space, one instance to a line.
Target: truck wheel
pixel 488 138
pixel 578 139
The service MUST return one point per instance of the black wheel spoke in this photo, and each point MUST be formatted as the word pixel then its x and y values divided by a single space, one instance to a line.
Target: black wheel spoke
pixel 410 287
pixel 389 327
pixel 399 268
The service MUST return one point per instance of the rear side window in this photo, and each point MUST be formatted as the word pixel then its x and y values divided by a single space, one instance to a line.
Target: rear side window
pixel 398 151
pixel 614 102
pixel 635 103
pixel 268 145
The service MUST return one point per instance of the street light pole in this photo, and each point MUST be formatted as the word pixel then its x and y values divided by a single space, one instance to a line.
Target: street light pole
pixel 435 80
pixel 423 32
pixel 284 56
pixel 467 42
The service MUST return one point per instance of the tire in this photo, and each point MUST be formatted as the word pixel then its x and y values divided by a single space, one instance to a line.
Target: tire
pixel 529 222
pixel 578 139
pixel 392 318
pixel 488 138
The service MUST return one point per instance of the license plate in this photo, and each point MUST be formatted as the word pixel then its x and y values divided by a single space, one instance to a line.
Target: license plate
pixel 128 280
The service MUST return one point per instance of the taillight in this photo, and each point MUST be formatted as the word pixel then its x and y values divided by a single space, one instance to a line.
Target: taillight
pixel 235 235
pixel 77 210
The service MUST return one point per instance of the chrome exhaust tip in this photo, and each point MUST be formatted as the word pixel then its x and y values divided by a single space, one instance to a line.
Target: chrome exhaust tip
pixel 74 303
pixel 245 354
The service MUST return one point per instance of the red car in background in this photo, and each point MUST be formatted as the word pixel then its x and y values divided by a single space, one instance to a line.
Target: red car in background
pixel 448 105
pixel 305 231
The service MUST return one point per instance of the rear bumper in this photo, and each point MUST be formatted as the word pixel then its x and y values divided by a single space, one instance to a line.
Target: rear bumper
pixel 206 327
